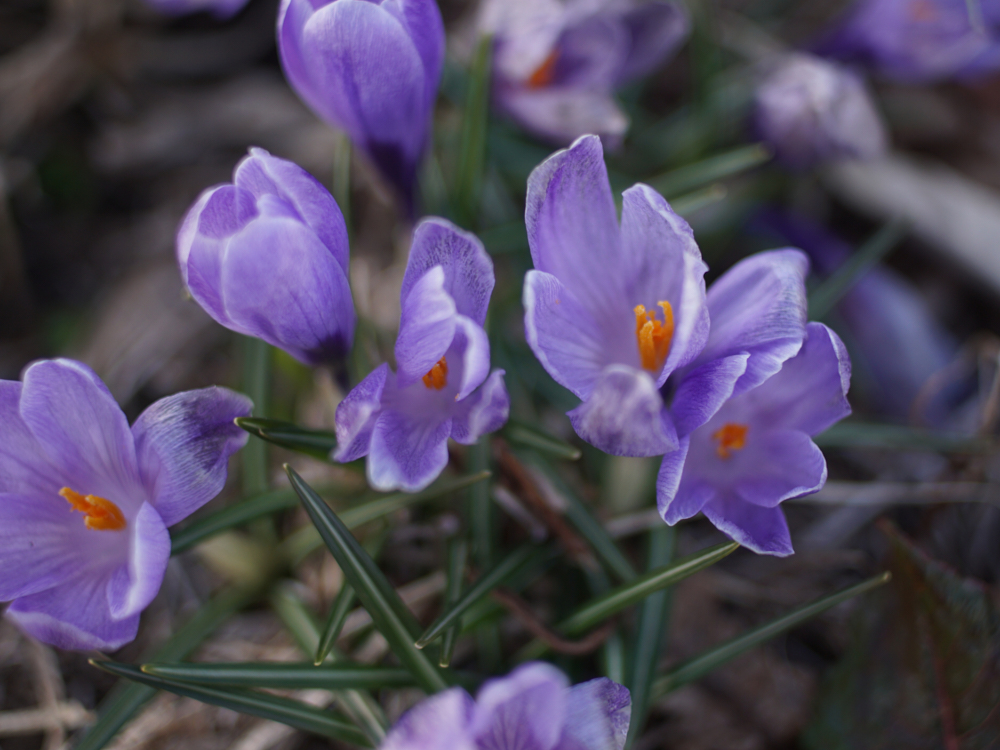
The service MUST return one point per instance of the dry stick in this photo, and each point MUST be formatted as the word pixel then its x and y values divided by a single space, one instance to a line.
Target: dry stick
pixel 520 609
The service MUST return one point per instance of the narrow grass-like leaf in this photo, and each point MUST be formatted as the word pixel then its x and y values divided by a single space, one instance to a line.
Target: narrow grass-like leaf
pixel 317 443
pixel 472 150
pixel 486 583
pixel 126 698
pixel 714 168
pixel 389 614
pixel 458 553
pixel 264 705
pixel 483 527
pixel 339 610
pixel 716 657
pixel 292 676
pixel 624 596
pixel 872 435
pixel 827 294
pixel 688 203
pixel 236 515
pixel 518 433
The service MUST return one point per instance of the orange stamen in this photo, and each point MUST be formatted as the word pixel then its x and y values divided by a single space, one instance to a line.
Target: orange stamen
pixel 731 437
pixel 923 11
pixel 101 514
pixel 544 73
pixel 653 336
pixel 437 376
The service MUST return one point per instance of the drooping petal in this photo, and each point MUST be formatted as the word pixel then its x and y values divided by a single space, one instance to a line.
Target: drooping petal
pixel 357 414
pixel 183 443
pixel 484 411
pixel 440 721
pixel 408 451
pixel 427 325
pixel 558 115
pixel 657 29
pixel 468 269
pixel 525 710
pixel 662 263
pixel 624 415
pixel 759 306
pixel 133 586
pixel 471 348
pixel 23 466
pixel 597 717
pixel 763 530
pixel 779 465
pixel 703 391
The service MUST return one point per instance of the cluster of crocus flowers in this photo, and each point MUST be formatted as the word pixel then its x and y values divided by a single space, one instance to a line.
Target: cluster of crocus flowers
pixel 655 384
pixel 532 708
pixel 85 500
pixel 370 68
pixel 557 64
pixel 442 386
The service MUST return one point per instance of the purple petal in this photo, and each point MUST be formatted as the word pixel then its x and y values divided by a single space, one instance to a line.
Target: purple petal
pixel 440 721
pixel 262 174
pixel 468 269
pixel 657 30
pixel 678 495
pixel 408 451
pixel 40 544
pixel 526 32
pixel 423 22
pixel 778 465
pixel 23 466
pixel 357 414
pixel 559 115
pixel 703 391
pixel 133 586
pixel 759 306
pixel 184 442
pixel 763 530
pixel 471 351
pixel 524 710
pixel 591 53
pixel 484 411
pixel 427 325
pixel 598 716
pixel 662 263
pixel 625 416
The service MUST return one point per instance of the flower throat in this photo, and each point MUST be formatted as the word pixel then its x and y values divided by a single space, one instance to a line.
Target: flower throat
pixel 437 376
pixel 101 514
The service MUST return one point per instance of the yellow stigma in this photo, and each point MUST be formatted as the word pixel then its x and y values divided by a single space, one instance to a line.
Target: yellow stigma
pixel 654 337
pixel 437 376
pixel 101 514
pixel 731 437
pixel 544 73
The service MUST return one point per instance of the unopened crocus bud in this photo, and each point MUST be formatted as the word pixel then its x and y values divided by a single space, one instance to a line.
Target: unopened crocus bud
pixel 221 9
pixel 266 256
pixel 370 68
pixel 809 111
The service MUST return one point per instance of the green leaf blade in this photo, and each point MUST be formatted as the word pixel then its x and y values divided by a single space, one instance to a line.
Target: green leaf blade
pixel 293 676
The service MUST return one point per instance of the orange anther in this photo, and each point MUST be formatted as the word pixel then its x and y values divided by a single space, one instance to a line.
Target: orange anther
pixel 731 437
pixel 544 73
pixel 437 376
pixel 653 336
pixel 101 514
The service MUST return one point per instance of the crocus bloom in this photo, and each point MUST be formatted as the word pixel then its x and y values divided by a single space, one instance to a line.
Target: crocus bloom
pixel 756 450
pixel 619 316
pixel 267 256
pixel 442 386
pixel 370 68
pixel 919 41
pixel 85 501
pixel 221 9
pixel 557 64
pixel 532 708
pixel 809 110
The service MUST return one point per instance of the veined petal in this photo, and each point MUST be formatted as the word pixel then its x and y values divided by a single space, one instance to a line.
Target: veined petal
pixel 624 415
pixel 468 269
pixel 484 411
pixel 408 451
pixel 763 530
pixel 422 19
pixel 779 465
pixel 440 721
pixel 357 414
pixel 184 443
pixel 23 466
pixel 427 326
pixel 703 391
pixel 678 494
pixel 598 715
pixel 133 586
pixel 525 710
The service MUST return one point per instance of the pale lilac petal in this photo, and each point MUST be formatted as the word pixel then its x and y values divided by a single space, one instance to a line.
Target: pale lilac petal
pixel 562 334
pixel 703 391
pixel 678 494
pixel 132 587
pixel 471 351
pixel 591 53
pixel 427 325
pixel 763 530
pixel 558 115
pixel 597 717
pixel 624 415
pixel 525 710
pixel 525 31
pixel 39 544
pixel 658 29
pixel 468 269
pixel 759 306
pixel 440 721
pixel 184 442
pixel 357 414
pixel 778 465
pixel 662 263
pixel 408 451
pixel 484 411
pixel 23 466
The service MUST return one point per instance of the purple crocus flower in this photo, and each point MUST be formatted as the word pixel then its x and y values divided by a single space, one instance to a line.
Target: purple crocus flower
pixel 809 110
pixel 85 501
pixel 443 386
pixel 221 9
pixel 620 317
pixel 919 41
pixel 557 64
pixel 370 68
pixel 756 451
pixel 267 255
pixel 532 708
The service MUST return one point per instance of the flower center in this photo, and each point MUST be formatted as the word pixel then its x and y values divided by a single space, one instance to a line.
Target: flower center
pixel 101 514
pixel 923 11
pixel 731 437
pixel 437 376
pixel 654 337
pixel 544 73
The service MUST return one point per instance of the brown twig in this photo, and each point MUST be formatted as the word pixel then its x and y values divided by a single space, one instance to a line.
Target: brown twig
pixel 520 609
